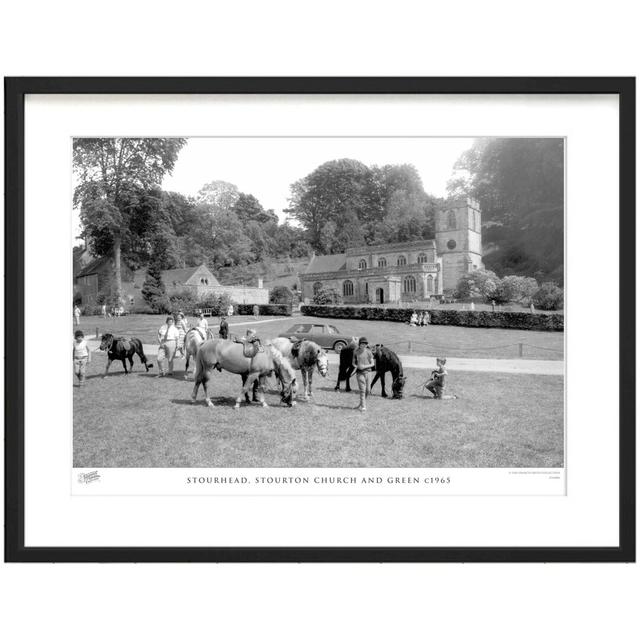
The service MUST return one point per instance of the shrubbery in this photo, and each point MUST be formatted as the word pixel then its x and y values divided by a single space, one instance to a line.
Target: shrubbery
pixel 265 309
pixel 326 296
pixel 549 297
pixel 492 319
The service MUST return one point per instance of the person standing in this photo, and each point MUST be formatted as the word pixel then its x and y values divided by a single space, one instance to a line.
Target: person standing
pixel 202 326
pixel 493 305
pixel 76 314
pixel 256 311
pixel 532 309
pixel 363 363
pixel 167 343
pixel 182 327
pixel 223 329
pixel 426 319
pixel 230 310
pixel 81 357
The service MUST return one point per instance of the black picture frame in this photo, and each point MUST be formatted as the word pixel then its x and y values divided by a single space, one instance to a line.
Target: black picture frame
pixel 15 91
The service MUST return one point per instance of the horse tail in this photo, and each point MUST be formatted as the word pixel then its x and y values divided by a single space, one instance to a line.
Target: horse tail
pixel 137 347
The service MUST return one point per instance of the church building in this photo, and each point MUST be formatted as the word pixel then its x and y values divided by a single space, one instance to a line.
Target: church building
pixel 407 271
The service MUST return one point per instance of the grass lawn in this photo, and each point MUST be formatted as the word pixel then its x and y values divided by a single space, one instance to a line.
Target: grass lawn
pixel 499 420
pixel 461 342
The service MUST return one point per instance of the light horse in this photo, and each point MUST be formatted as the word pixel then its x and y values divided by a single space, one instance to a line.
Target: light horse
pixel 227 355
pixel 192 341
pixel 309 355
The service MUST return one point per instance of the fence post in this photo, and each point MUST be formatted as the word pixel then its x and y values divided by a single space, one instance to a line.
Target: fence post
pixel 520 349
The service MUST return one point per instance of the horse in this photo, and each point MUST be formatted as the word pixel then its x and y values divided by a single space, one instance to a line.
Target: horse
pixel 387 360
pixel 122 349
pixel 227 355
pixel 346 368
pixel 304 356
pixel 192 341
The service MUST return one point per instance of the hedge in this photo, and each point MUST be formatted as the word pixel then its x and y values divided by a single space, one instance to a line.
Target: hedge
pixel 265 309
pixel 485 319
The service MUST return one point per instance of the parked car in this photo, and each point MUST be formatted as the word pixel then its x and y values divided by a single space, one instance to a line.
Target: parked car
pixel 326 335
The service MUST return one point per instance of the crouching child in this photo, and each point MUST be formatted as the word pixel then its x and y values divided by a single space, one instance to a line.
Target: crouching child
pixel 437 381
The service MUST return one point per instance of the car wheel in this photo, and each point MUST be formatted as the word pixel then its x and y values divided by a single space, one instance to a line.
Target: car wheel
pixel 339 346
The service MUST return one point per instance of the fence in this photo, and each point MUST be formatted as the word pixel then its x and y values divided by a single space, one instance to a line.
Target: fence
pixel 509 350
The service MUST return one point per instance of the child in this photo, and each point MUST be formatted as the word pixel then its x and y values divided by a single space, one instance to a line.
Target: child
pixel 436 383
pixel 251 344
pixel 81 356
pixel 182 327
pixel 413 320
pixel 223 329
pixel 202 326
pixel 363 363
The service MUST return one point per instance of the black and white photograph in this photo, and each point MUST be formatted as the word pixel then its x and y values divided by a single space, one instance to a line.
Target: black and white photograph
pixel 318 302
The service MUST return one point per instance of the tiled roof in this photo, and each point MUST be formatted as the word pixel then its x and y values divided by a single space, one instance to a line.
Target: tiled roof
pixel 326 264
pixel 95 266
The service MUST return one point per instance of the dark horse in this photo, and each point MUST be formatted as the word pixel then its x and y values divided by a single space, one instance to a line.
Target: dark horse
pixel 346 368
pixel 387 360
pixel 122 349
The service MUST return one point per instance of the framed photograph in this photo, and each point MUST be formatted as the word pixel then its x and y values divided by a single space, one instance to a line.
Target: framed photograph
pixel 320 319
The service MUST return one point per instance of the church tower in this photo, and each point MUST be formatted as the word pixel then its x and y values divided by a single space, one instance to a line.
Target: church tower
pixel 458 240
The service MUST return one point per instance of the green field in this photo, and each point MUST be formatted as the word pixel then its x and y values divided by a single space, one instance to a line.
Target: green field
pixel 499 420
pixel 432 340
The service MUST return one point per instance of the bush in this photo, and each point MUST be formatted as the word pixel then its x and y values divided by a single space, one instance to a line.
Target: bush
pixel 549 297
pixel 326 296
pixel 185 301
pixel 515 289
pixel 281 295
pixel 478 284
pixel 265 309
pixel 487 319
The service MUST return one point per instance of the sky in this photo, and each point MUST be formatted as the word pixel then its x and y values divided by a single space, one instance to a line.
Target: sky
pixel 266 167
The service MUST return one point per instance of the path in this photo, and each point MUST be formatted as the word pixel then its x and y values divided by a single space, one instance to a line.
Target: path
pixel 410 361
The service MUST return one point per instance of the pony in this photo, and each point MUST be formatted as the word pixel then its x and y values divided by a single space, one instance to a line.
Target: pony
pixel 346 368
pixel 387 360
pixel 192 341
pixel 224 354
pixel 304 356
pixel 122 349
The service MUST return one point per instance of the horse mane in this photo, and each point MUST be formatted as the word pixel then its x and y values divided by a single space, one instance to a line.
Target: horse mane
pixel 308 351
pixel 281 361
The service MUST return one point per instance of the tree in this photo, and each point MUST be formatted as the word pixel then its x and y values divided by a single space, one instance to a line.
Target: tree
pixel 549 297
pixel 153 289
pixel 111 173
pixel 248 209
pixel 219 196
pixel 519 183
pixel 478 284
pixel 515 289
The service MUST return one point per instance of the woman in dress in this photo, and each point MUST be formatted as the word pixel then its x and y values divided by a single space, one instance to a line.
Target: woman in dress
pixel 182 327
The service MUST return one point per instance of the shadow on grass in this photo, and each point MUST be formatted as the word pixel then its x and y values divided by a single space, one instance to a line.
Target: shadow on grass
pixel 176 377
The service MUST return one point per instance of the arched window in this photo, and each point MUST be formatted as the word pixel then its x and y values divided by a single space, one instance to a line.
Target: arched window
pixel 452 220
pixel 382 262
pixel 402 261
pixel 429 284
pixel 409 285
pixel 347 288
pixel 317 286
pixel 366 288
pixel 362 264
pixel 422 258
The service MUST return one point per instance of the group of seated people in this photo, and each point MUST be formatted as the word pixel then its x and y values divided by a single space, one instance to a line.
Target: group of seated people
pixel 420 319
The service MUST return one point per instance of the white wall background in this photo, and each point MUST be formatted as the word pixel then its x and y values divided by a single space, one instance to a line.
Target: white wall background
pixel 329 38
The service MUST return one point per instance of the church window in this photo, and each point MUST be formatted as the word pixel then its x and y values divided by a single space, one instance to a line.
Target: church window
pixel 429 284
pixel 409 285
pixel 402 261
pixel 347 288
pixel 382 262
pixel 422 258
pixel 366 288
pixel 362 264
pixel 452 220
